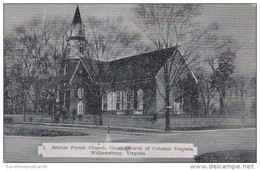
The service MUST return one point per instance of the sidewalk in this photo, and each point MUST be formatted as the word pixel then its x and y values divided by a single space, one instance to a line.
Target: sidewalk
pixel 104 127
pixel 130 129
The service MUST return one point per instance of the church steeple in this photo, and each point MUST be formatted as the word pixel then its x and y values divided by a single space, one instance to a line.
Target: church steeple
pixel 76 39
pixel 77 18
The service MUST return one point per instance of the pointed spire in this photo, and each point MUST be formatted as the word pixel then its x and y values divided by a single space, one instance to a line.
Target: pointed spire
pixel 77 18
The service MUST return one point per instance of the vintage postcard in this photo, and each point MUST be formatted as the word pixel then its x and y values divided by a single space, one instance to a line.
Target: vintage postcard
pixel 171 83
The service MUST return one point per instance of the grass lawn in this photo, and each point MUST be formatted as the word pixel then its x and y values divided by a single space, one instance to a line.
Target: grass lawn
pixel 211 127
pixel 29 131
pixel 238 156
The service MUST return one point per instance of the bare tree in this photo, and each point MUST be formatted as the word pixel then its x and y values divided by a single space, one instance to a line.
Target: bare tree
pixel 239 87
pixel 221 76
pixel 168 25
pixel 252 86
pixel 206 91
pixel 57 50
pixel 26 45
pixel 106 40
pixel 241 94
pixel 40 48
pixel 9 62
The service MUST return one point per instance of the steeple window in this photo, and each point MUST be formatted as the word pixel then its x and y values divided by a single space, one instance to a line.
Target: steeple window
pixel 81 49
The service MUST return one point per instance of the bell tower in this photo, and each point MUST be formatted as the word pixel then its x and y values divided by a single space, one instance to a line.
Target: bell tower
pixel 76 40
pixel 73 70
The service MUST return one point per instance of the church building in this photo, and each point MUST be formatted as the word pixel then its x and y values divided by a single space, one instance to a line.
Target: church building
pixel 129 86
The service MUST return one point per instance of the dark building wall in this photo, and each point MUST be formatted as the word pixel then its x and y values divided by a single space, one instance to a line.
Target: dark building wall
pixel 190 95
pixel 184 94
pixel 77 77
pixel 149 90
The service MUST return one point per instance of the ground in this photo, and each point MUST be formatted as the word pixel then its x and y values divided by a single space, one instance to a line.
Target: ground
pixel 237 156
pixel 24 148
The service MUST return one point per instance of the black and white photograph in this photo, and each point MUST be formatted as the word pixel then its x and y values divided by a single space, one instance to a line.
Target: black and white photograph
pixel 129 83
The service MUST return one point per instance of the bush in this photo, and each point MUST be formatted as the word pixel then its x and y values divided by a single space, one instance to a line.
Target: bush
pixel 8 120
pixel 30 118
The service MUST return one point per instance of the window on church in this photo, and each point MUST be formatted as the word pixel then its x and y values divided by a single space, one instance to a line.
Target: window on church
pixel 81 49
pixel 140 102
pixel 80 92
pixel 104 106
pixel 128 106
pixel 64 96
pixel 80 32
pixel 118 101
pixel 117 106
pixel 130 99
pixel 80 108
pixel 65 70
pixel 104 101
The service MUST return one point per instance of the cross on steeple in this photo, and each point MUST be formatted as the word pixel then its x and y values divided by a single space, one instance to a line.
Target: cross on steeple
pixel 77 18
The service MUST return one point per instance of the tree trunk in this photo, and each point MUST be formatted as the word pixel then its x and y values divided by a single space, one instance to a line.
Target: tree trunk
pixel 222 107
pixel 24 112
pixel 100 93
pixel 24 107
pixel 100 118
pixel 167 99
pixel 167 114
pixel 53 111
pixel 135 99
pixel 98 105
pixel 57 114
pixel 99 110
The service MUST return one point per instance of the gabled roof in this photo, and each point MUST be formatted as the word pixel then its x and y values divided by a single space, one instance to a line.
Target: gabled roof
pixel 188 65
pixel 138 67
pixel 131 69
pixel 77 18
pixel 80 61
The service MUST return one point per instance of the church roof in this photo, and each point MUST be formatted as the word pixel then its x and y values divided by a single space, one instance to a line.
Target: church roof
pixel 134 68
pixel 131 71
pixel 77 18
pixel 138 67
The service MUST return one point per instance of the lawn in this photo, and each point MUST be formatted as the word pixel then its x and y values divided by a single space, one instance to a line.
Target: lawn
pixel 237 156
pixel 31 131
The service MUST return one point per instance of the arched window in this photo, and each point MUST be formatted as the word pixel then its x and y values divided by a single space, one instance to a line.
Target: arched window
pixel 80 32
pixel 80 108
pixel 140 102
pixel 130 100
pixel 64 96
pixel 65 69
pixel 118 101
pixel 104 101
pixel 81 49
pixel 80 92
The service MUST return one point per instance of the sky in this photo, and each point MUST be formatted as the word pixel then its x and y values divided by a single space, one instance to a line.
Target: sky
pixel 236 20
